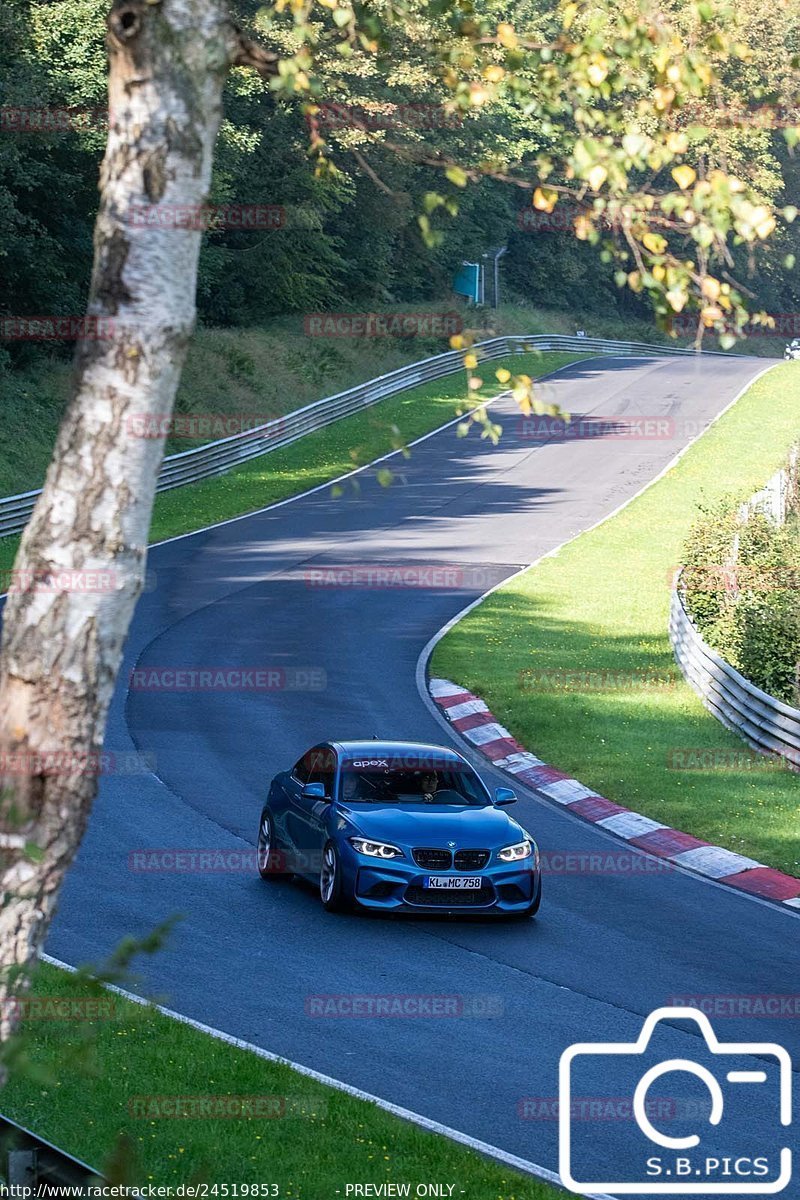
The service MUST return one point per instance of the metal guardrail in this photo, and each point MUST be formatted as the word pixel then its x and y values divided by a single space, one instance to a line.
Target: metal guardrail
pixel 215 458
pixel 28 1161
pixel 767 724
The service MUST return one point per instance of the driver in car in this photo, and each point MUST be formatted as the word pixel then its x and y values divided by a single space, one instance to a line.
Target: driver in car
pixel 429 787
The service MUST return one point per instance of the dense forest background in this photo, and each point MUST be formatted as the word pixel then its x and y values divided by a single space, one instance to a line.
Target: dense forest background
pixel 351 238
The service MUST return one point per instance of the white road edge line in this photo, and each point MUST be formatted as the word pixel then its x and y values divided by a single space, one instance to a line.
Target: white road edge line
pixel 484 1148
pixel 429 647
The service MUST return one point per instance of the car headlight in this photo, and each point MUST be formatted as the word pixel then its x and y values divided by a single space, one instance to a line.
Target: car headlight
pixel 375 849
pixel 517 852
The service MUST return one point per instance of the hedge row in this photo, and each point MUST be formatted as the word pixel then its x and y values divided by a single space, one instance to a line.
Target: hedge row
pixel 741 587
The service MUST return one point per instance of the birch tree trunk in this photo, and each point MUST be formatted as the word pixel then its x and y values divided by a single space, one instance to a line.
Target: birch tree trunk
pixel 62 646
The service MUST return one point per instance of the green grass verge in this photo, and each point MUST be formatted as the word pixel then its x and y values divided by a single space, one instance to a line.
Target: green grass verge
pixel 323 456
pixel 323 1140
pixel 601 605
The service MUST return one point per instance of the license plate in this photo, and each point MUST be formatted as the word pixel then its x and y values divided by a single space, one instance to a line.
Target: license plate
pixel 460 883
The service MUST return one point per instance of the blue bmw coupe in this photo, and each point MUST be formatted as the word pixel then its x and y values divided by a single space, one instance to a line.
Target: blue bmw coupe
pixel 398 827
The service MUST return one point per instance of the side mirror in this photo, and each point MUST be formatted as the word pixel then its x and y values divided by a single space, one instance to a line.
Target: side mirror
pixel 313 791
pixel 504 796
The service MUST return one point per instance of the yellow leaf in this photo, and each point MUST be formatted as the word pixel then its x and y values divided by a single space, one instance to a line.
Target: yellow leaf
pixel 676 299
pixel 570 12
pixel 598 69
pixel 704 73
pixel 684 176
pixel 457 175
pixel 525 404
pixel 545 199
pixel 494 73
pixel 506 36
pixel 677 143
pixel 711 287
pixel 583 227
pixel 654 242
pixel 596 177
pixel 470 361
pixel 502 375
pixel 456 342
pixel 762 221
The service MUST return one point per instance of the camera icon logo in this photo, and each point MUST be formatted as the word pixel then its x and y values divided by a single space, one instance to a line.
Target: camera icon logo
pixel 722 1099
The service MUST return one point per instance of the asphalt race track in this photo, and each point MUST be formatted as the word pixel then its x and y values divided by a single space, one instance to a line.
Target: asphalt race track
pixel 246 957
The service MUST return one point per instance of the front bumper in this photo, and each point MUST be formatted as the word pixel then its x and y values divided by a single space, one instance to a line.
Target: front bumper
pixel 399 885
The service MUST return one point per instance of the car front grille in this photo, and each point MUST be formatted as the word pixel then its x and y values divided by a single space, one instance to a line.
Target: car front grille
pixel 450 897
pixel 470 860
pixel 431 859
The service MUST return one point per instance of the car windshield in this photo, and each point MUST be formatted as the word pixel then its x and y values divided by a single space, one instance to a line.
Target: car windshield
pixel 395 781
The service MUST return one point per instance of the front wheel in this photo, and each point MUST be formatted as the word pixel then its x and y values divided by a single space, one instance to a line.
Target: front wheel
pixel 330 881
pixel 268 856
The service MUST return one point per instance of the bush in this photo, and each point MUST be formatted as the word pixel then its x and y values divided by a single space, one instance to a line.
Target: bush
pixel 741 587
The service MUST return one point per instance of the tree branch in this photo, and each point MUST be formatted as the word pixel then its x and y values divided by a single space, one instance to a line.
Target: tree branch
pixel 247 53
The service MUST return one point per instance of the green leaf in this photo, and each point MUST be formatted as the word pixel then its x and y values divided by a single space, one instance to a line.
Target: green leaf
pixel 457 175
